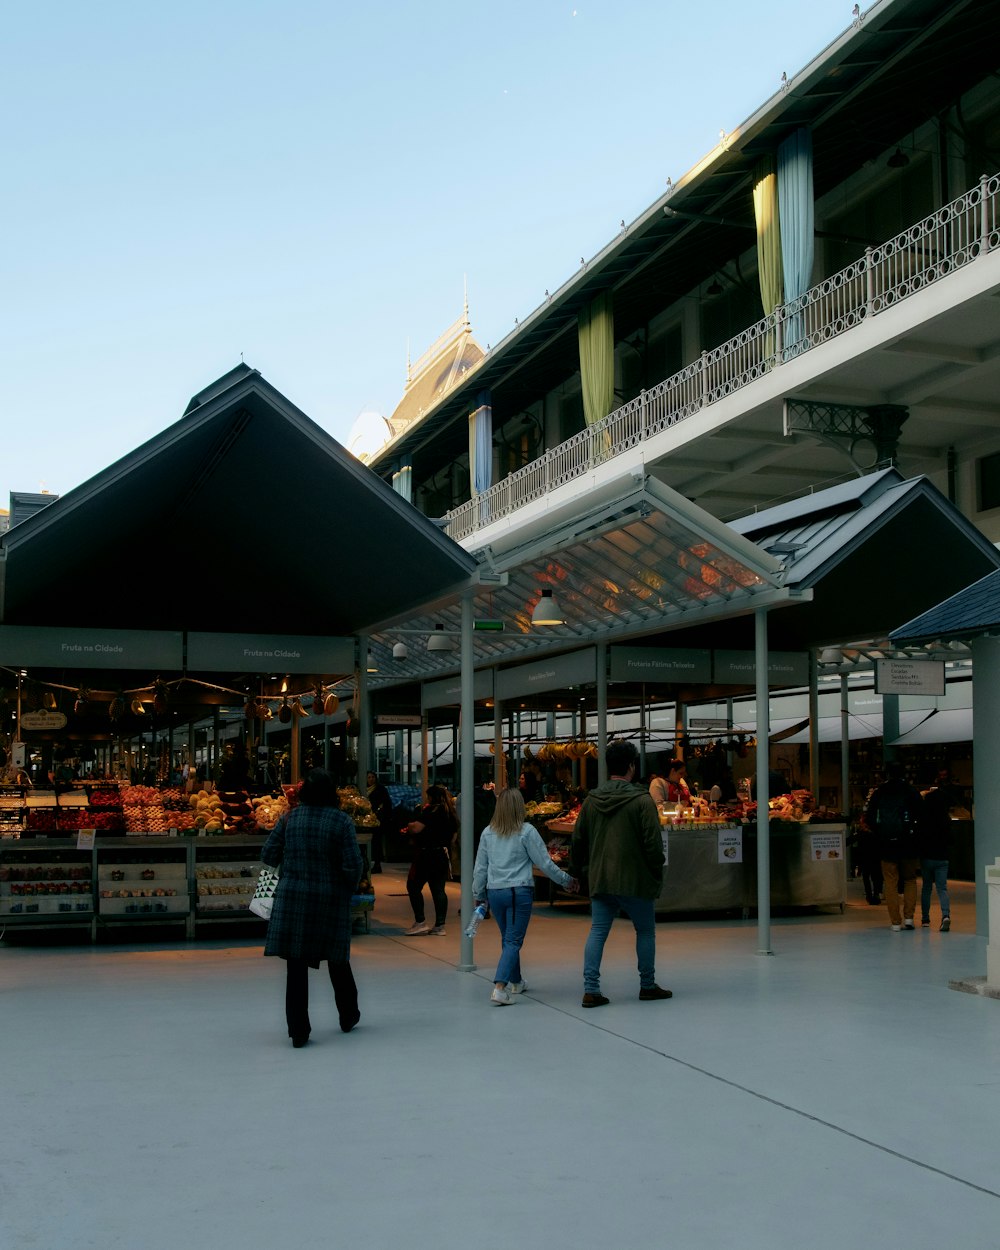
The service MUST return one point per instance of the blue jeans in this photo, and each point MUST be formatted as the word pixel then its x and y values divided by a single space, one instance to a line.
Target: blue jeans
pixel 511 910
pixel 935 873
pixel 603 910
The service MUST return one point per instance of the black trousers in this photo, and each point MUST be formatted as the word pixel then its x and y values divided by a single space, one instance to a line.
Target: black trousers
pixel 345 993
pixel 430 868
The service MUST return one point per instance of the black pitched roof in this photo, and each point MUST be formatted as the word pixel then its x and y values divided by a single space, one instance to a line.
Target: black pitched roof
pixel 974 610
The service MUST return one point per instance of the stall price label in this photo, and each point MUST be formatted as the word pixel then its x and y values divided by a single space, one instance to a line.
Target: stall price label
pixel 85 839
pixel 730 846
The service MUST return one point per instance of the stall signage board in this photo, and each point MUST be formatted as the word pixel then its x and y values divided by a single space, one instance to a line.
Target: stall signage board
pixel 448 691
pixel 43 719
pixel 49 647
pixel 826 847
pixel 661 664
pixel 784 668
pixel 269 653
pixel 730 846
pixel 576 669
pixel 390 720
pixel 909 676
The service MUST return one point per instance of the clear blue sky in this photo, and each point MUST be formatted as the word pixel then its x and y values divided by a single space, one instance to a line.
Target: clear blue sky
pixel 309 183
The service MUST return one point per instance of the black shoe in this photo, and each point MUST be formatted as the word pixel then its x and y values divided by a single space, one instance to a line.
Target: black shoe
pixel 347 1025
pixel 595 1000
pixel 299 1042
pixel 653 993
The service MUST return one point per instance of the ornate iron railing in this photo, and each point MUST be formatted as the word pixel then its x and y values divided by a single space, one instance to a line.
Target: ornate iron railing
pixel 924 253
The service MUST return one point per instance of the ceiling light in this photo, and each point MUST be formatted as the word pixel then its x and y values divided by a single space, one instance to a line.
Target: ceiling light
pixel 400 651
pixel 547 611
pixel 440 641
pixel 372 665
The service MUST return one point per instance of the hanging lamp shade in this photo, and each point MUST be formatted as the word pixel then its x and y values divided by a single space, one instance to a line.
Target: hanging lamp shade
pixel 440 641
pixel 547 611
pixel 400 651
pixel 372 664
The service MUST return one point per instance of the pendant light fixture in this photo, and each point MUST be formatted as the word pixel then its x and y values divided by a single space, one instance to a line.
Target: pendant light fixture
pixel 547 611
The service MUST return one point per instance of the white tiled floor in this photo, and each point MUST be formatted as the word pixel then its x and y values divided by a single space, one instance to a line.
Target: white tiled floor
pixel 837 1093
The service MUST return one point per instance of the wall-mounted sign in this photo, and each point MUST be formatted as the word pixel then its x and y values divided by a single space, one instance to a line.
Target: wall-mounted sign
pixel 784 668
pixel 29 646
pixel 43 720
pixel 448 691
pixel 576 669
pixel 665 664
pixel 909 676
pixel 391 720
pixel 269 653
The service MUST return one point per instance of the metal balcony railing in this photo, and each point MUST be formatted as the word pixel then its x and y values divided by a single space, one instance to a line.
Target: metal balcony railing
pixel 924 253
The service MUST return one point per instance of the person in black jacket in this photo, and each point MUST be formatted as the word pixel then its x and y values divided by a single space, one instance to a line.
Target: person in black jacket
pixel 432 831
pixel 895 815
pixel 936 847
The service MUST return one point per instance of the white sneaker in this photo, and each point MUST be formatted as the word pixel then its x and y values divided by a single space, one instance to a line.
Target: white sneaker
pixel 907 924
pixel 518 987
pixel 895 927
pixel 437 931
pixel 500 996
pixel 416 929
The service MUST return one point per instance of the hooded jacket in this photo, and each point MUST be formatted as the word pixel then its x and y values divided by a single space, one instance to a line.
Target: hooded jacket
pixel 617 843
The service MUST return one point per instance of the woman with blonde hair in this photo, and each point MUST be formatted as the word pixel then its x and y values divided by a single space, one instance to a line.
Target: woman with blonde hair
pixel 503 878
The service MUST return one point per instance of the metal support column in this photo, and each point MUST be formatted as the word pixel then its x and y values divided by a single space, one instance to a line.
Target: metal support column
pixel 763 824
pixel 845 751
pixel 814 725
pixel 602 711
pixel 468 781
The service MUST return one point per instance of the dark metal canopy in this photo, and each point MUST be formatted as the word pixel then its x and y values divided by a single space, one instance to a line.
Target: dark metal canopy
pixel 243 516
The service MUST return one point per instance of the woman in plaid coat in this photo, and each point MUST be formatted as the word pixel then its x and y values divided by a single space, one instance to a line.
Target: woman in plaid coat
pixel 317 850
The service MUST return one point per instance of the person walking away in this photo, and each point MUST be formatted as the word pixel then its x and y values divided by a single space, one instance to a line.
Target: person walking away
pixel 895 814
pixel 316 849
pixel 432 831
pixel 936 847
pixel 618 845
pixel 503 877
pixel 381 805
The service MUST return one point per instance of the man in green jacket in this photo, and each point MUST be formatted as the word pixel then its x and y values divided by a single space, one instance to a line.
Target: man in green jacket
pixel 618 846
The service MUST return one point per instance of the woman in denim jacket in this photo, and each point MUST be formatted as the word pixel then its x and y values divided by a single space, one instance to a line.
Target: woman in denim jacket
pixel 503 878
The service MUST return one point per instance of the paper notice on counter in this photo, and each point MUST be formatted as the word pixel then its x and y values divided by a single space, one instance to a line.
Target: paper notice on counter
pixel 85 839
pixel 826 846
pixel 666 848
pixel 730 846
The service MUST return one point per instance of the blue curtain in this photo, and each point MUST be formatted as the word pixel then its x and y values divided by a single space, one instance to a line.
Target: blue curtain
pixel 402 482
pixel 796 212
pixel 481 445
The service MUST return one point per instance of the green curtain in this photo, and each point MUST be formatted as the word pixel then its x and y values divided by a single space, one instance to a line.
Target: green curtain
pixel 765 210
pixel 596 325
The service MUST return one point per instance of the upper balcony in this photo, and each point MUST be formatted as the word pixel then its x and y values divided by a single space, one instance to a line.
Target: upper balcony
pixel 912 328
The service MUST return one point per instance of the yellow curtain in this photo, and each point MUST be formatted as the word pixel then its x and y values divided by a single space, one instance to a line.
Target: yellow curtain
pixel 596 324
pixel 765 210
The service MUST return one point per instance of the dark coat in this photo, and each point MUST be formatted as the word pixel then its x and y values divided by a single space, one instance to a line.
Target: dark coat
pixel 317 851
pixel 617 843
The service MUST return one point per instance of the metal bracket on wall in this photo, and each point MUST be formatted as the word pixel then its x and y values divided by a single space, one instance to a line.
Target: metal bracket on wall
pixel 868 436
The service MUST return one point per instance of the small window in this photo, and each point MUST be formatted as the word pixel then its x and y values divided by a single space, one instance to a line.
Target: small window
pixel 988 482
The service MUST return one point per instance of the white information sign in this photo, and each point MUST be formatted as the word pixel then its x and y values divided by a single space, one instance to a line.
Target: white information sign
pixel 85 839
pixel 730 846
pixel 909 676
pixel 826 846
